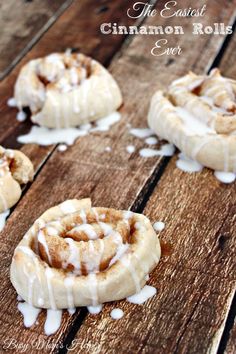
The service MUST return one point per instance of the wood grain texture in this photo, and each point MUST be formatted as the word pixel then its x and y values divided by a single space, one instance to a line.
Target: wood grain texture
pixel 117 179
pixel 82 33
pixel 22 23
pixel 228 60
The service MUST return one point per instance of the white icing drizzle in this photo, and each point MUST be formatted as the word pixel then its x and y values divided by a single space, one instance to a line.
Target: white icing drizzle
pixel 146 293
pixel 53 321
pixel 186 164
pixel 21 116
pixel 96 214
pixel 141 132
pixel 165 150
pixel 151 141
pixel 3 199
pixel 225 177
pixel 42 240
pixel 62 147
pixel 67 207
pixel 191 124
pixel 11 102
pixel 88 229
pixel 3 217
pixel 29 313
pixel 107 149
pixel 93 289
pixel 130 149
pixel 128 214
pixel 49 276
pixel 117 314
pixel 69 282
pixel 71 311
pixel 104 124
pixel 94 310
pixel 128 265
pixel 83 216
pixel 107 229
pixel 159 226
pixel 122 249
pixel 46 136
pixel 30 288
pixel 74 257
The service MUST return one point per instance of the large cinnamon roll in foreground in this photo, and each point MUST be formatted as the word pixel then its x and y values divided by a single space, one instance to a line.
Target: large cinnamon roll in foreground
pixel 198 115
pixel 15 169
pixel 66 90
pixel 76 255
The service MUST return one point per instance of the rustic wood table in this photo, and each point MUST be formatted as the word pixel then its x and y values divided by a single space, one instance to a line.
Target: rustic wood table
pixel 195 305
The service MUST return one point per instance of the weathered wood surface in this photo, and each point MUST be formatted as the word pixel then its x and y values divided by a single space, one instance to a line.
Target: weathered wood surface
pixel 228 63
pixel 119 180
pixel 87 39
pixel 21 25
pixel 228 60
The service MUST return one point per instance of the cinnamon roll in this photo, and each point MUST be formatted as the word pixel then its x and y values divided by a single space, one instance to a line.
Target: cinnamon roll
pixel 15 169
pixel 77 255
pixel 198 115
pixel 66 90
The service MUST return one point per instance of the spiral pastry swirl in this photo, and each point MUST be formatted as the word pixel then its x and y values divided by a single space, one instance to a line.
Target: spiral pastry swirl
pixel 15 169
pixel 198 115
pixel 65 90
pixel 77 255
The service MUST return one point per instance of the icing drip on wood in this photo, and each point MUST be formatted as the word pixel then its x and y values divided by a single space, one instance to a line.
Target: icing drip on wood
pixel 142 296
pixel 117 314
pixel 3 217
pixel 45 136
pixel 188 165
pixel 159 226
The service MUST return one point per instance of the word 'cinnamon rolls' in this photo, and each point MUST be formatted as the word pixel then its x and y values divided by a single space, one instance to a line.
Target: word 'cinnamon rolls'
pixel 76 255
pixel 66 90
pixel 15 169
pixel 198 115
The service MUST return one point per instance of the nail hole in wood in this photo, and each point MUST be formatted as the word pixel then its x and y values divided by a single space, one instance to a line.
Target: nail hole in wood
pixel 103 8
pixel 170 61
pixel 222 241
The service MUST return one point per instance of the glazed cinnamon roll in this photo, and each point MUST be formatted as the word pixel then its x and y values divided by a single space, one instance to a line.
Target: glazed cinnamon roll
pixel 15 169
pixel 198 115
pixel 77 255
pixel 65 89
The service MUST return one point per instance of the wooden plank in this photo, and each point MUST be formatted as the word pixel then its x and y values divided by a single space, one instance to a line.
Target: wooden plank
pixel 87 39
pixel 22 24
pixel 196 282
pixel 115 179
pixel 228 60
